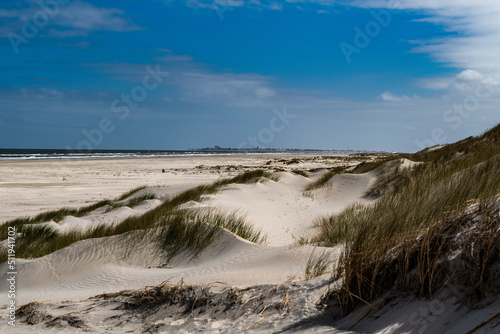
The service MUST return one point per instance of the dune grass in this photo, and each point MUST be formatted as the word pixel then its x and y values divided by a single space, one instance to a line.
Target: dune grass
pixel 130 193
pixel 300 172
pixel 59 215
pixel 318 264
pixel 323 179
pixel 418 204
pixel 368 166
pixel 40 240
pixel 196 229
pixel 36 245
pixel 196 194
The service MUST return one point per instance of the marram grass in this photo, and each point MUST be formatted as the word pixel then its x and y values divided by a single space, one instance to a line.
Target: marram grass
pixel 415 204
pixel 178 226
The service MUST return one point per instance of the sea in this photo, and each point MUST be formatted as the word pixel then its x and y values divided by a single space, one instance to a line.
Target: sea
pixel 46 154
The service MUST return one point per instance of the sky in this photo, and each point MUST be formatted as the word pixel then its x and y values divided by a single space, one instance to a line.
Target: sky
pixel 378 75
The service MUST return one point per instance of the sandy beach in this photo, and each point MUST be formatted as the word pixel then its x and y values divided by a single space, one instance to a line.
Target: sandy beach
pixel 91 267
pixel 76 288
pixel 30 187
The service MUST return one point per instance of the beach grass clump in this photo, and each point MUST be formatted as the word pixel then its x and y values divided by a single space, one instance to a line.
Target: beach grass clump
pixel 131 202
pixel 337 229
pixel 251 176
pixel 308 194
pixel 37 241
pixel 378 162
pixel 130 193
pixel 180 233
pixel 323 179
pixel 420 206
pixel 196 229
pixel 233 222
pixel 37 233
pixel 390 179
pixel 59 215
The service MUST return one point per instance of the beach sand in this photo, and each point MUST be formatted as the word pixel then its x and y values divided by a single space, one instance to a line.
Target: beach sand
pixel 31 187
pixel 268 279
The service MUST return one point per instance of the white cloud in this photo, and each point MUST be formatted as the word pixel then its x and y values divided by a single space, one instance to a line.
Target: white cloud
pixel 435 83
pixel 220 4
pixel 74 19
pixel 463 83
pixel 476 43
pixel 469 75
pixel 84 16
pixel 264 92
pixel 222 88
pixel 389 97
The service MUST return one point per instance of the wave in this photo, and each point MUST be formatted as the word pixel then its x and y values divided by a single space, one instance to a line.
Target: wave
pixel 13 154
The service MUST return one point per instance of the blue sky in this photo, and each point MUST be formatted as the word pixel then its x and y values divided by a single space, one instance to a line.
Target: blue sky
pixel 167 74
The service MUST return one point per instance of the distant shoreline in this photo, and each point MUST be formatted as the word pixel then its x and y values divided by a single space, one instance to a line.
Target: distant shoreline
pixel 35 155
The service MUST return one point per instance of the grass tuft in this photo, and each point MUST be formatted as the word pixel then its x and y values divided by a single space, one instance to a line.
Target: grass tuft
pixel 323 179
pixel 197 229
pixel 318 264
pixel 130 193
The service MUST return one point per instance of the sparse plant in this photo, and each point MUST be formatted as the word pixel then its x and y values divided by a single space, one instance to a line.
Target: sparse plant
pixel 303 240
pixel 318 264
pixel 308 194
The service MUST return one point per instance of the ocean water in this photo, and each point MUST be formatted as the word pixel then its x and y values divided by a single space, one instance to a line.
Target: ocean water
pixel 41 154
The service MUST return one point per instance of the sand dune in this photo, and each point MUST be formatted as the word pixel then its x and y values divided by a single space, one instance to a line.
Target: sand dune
pixel 266 281
pixel 278 208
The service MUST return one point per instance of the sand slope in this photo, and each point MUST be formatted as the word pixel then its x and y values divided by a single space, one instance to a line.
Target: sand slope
pixel 130 261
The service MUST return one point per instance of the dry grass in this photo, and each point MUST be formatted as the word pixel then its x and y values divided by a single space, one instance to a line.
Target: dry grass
pixel 411 226
pixel 189 296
